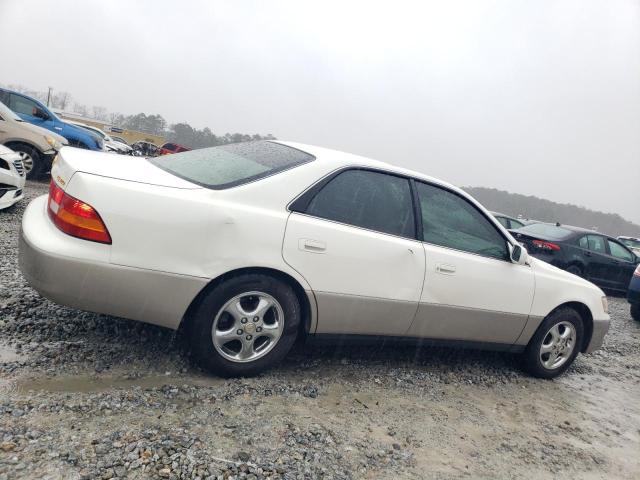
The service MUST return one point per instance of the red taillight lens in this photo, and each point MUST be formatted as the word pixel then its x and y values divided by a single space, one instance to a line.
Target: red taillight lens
pixel 541 244
pixel 637 272
pixel 76 218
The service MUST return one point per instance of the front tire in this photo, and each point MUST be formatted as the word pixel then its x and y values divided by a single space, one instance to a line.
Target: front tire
pixel 635 312
pixel 32 159
pixel 576 270
pixel 555 344
pixel 245 325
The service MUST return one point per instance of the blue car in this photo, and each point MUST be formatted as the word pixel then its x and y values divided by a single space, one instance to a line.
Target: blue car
pixel 633 294
pixel 35 112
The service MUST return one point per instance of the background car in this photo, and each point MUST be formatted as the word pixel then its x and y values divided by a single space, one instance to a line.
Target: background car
pixel 35 112
pixel 37 145
pixel 121 140
pixel 12 177
pixel 508 222
pixel 249 246
pixel 600 259
pixel 169 148
pixel 632 243
pixel 145 149
pixel 109 143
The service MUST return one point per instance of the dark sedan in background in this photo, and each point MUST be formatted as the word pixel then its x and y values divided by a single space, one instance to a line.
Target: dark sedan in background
pixel 599 258
pixel 633 295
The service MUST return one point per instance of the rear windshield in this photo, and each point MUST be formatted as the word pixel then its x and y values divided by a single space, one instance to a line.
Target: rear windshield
pixel 230 165
pixel 550 232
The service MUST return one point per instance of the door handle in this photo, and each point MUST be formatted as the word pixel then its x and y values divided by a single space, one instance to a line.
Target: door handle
pixel 446 268
pixel 587 254
pixel 313 246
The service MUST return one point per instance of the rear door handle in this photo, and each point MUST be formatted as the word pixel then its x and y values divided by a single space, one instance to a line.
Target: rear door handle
pixel 587 254
pixel 446 269
pixel 313 246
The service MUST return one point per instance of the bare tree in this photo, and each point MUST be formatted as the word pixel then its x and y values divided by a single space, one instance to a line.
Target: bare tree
pixel 100 113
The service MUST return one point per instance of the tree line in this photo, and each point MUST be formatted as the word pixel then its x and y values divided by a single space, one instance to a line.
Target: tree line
pixel 535 208
pixel 181 132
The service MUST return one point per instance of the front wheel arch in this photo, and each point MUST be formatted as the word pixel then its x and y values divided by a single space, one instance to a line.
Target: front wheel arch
pixel 587 320
pixel 308 311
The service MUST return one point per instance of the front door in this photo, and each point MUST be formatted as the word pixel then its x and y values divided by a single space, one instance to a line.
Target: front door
pixel 354 242
pixel 472 291
pixel 624 264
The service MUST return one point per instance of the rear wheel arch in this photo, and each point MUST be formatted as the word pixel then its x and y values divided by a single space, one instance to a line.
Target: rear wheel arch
pixel 305 303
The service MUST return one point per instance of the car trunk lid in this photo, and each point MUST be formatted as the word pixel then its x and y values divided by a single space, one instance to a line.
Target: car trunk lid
pixel 123 167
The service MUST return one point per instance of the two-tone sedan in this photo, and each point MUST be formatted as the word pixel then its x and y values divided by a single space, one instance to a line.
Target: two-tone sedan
pixel 250 246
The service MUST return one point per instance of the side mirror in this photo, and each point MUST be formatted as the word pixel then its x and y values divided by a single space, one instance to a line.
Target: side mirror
pixel 38 112
pixel 518 254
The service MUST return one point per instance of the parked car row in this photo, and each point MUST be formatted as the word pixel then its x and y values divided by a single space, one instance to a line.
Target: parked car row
pixel 22 116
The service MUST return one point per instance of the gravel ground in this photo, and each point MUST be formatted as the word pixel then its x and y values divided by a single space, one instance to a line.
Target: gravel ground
pixel 91 396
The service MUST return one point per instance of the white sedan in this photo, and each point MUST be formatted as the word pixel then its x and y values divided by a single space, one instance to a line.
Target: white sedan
pixel 12 177
pixel 249 246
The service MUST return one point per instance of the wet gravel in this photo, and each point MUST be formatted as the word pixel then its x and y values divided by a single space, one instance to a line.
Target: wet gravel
pixel 90 396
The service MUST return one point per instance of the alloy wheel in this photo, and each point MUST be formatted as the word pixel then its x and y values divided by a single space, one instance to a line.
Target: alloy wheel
pixel 558 345
pixel 247 327
pixel 27 161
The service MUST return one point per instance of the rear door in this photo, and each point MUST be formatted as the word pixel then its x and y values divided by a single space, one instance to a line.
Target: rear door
pixel 353 240
pixel 472 291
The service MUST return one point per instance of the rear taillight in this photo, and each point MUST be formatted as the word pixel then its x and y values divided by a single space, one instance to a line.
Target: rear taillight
pixel 74 217
pixel 637 271
pixel 542 245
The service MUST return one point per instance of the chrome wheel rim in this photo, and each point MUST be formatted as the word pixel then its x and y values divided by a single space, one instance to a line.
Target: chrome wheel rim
pixel 558 345
pixel 27 161
pixel 247 327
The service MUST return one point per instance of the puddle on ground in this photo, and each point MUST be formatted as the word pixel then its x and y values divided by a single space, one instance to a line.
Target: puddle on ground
pixel 8 354
pixel 93 384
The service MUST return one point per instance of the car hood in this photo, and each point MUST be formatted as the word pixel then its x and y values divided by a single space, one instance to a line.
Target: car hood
pixel 36 134
pixel 561 275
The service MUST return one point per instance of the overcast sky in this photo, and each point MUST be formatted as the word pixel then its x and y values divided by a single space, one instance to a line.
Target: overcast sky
pixel 534 97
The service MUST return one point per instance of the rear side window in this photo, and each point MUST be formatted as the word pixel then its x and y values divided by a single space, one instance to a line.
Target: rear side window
pixel 227 166
pixel 451 221
pixel 169 146
pixel 367 199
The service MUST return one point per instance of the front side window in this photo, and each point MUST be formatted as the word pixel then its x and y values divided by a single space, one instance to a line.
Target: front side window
pixel 230 165
pixel 22 105
pixel 619 251
pixel 451 221
pixel 372 200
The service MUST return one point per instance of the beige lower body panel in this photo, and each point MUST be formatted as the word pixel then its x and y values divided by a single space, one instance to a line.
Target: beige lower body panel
pixel 356 315
pixel 146 295
pixel 450 322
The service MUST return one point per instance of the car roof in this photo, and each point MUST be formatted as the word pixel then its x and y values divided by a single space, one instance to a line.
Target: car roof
pixel 343 159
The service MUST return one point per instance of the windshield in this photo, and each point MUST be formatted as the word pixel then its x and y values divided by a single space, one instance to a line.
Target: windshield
pixel 544 230
pixel 630 242
pixel 226 166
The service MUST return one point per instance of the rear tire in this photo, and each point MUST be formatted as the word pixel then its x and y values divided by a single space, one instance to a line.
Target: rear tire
pixel 576 270
pixel 555 344
pixel 245 325
pixel 635 312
